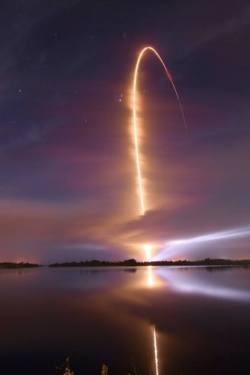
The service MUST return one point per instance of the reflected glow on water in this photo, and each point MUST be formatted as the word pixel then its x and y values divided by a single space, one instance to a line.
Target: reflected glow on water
pixel 156 359
pixel 152 282
pixel 153 279
pixel 158 320
pixel 194 283
pixel 150 277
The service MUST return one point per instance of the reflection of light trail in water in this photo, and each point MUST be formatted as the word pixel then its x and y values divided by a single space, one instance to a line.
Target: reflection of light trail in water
pixel 150 277
pixel 156 360
pixel 135 120
pixel 192 282
pixel 175 246
pixel 151 284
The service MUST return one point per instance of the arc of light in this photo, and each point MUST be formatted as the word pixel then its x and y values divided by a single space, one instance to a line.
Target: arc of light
pixel 135 122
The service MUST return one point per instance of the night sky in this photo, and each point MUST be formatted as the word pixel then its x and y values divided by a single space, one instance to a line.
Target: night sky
pixel 67 181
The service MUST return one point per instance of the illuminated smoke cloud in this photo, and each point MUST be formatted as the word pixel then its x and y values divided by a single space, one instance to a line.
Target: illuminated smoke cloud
pixel 175 247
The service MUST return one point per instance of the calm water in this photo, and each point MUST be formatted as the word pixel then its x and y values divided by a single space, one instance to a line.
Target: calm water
pixel 147 320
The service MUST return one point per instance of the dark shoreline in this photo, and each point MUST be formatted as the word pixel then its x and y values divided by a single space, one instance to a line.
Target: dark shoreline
pixel 133 263
pixel 12 265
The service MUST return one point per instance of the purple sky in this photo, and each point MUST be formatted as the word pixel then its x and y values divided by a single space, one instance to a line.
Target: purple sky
pixel 67 182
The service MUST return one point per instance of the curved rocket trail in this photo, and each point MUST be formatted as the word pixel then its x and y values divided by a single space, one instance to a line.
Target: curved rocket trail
pixel 135 121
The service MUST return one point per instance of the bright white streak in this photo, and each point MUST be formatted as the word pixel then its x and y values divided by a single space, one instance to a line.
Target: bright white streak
pixel 194 283
pixel 156 360
pixel 150 277
pixel 135 122
pixel 148 252
pixel 172 246
pixel 223 235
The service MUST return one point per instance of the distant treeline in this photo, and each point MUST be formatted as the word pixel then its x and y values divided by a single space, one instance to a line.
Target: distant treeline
pixel 18 265
pixel 204 262
pixel 97 263
pixel 133 262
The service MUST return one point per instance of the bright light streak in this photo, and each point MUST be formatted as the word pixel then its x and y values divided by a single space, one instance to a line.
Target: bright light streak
pixel 135 120
pixel 194 283
pixel 156 359
pixel 223 235
pixel 148 252
pixel 173 246
pixel 150 277
pixel 152 280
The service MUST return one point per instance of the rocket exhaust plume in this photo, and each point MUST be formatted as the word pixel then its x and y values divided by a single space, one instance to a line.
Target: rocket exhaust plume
pixel 135 120
pixel 142 204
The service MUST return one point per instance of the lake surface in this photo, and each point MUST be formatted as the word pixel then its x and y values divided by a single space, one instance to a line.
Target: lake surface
pixel 152 320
